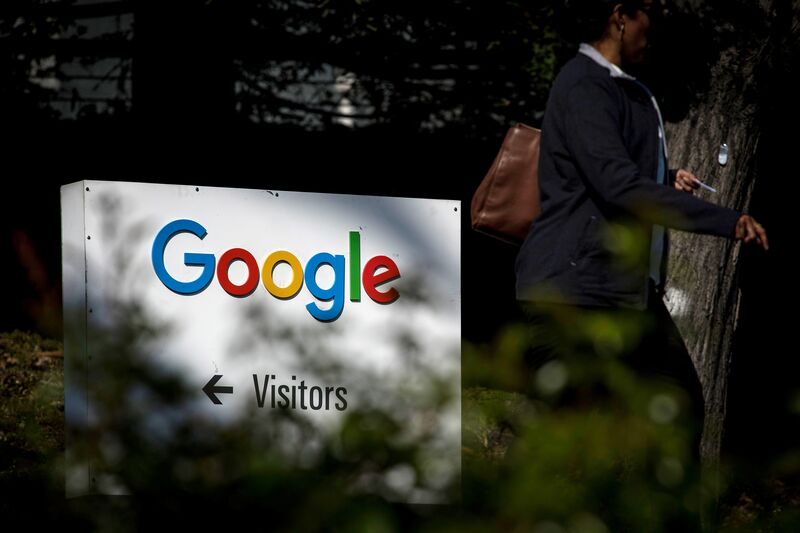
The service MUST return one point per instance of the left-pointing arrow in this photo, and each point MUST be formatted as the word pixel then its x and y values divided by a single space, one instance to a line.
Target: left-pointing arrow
pixel 212 390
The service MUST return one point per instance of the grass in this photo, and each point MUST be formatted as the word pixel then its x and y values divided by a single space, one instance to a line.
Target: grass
pixel 31 403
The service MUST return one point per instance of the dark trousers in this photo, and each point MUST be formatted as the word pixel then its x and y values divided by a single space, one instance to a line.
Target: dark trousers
pixel 645 344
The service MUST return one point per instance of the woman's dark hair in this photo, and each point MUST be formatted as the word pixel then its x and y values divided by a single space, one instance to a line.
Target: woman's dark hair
pixel 586 20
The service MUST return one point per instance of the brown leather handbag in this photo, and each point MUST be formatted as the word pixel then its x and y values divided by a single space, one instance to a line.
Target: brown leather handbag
pixel 507 200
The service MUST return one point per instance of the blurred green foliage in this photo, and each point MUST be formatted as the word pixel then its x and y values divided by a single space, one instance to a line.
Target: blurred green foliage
pixel 612 460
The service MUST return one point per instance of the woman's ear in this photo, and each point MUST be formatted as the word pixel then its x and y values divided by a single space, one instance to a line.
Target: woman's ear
pixel 617 17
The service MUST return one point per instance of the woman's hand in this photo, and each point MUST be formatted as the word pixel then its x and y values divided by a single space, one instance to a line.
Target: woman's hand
pixel 748 230
pixel 686 181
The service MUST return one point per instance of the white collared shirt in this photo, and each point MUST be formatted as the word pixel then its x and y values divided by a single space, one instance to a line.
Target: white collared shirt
pixel 594 53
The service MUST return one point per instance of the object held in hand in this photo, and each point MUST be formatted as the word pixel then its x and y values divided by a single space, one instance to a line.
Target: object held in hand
pixel 706 187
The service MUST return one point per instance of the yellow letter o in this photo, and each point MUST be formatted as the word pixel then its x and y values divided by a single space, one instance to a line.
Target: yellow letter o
pixel 282 256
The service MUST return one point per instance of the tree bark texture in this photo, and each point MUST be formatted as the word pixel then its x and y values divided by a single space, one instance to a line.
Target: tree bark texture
pixel 703 293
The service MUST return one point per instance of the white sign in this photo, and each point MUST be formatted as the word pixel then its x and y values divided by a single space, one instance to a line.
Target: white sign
pixel 263 303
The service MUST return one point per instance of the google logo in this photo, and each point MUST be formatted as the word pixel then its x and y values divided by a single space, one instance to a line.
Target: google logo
pixel 370 278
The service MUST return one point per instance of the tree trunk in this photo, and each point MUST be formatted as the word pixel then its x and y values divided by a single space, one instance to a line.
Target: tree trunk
pixel 703 292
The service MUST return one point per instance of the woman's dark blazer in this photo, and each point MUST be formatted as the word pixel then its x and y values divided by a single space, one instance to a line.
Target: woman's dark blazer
pixel 599 194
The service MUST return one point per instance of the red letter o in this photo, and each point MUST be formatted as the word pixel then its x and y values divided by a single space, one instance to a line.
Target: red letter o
pixel 237 254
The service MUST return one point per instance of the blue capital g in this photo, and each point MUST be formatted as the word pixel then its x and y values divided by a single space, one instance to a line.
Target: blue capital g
pixel 206 261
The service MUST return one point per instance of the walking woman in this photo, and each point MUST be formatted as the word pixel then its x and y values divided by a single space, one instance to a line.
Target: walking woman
pixel 605 186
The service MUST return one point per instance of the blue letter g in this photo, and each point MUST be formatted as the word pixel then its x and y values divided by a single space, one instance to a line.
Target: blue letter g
pixel 190 259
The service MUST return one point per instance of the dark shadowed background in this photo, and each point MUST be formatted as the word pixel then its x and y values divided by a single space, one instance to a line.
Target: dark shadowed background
pixel 366 97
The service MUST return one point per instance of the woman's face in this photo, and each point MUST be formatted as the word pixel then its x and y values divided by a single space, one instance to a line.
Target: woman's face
pixel 634 38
